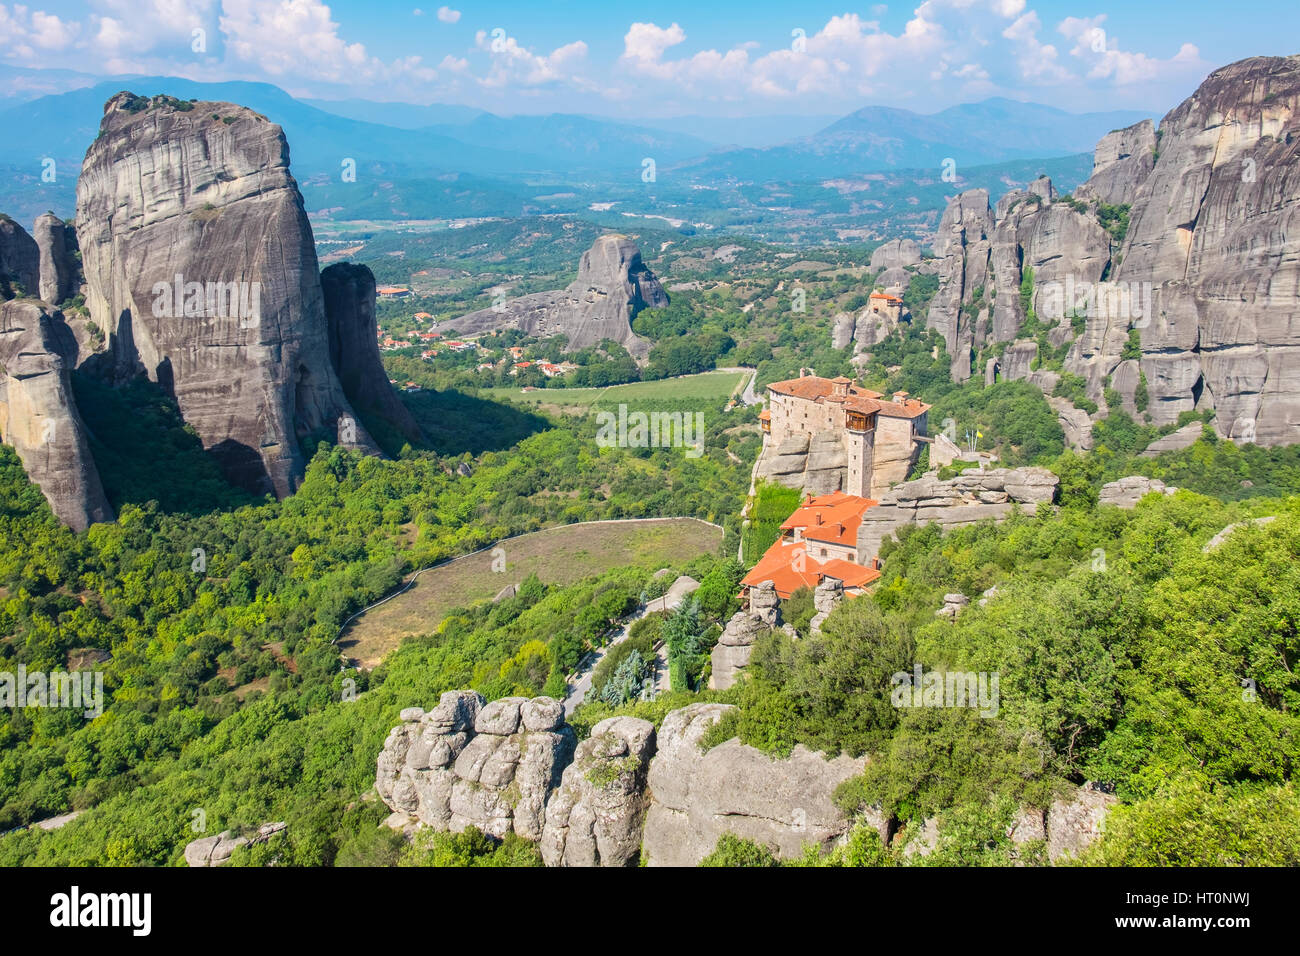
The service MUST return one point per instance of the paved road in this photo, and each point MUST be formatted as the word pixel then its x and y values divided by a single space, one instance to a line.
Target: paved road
pixel 579 687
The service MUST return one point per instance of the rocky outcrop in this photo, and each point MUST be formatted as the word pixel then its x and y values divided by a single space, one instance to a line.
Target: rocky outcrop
pixel 595 817
pixel 1018 359
pixel 1177 440
pixel 60 273
pixel 1121 163
pixel 1076 424
pixel 38 414
pixel 1076 823
pixel 20 261
pixel 734 788
pixel 613 284
pixel 736 643
pixel 826 598
pixel 953 605
pixel 201 272
pixel 1215 229
pixel 1127 492
pixel 962 247
pixel 891 260
pixel 1205 276
pixel 972 496
pixel 1226 533
pixel 623 795
pixel 348 292
pixel 468 763
pixel 216 850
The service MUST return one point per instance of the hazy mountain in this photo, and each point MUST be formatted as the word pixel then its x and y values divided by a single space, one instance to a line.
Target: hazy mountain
pixel 742 131
pixel 881 137
pixel 400 115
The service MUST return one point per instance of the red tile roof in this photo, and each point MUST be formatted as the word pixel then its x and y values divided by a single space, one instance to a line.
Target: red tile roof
pixel 832 518
pixel 778 565
pixel 814 388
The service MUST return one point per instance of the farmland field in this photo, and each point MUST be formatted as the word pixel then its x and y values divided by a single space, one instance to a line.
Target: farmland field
pixel 561 555
pixel 714 386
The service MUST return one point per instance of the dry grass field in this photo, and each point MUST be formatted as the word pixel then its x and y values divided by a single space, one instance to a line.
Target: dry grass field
pixel 560 555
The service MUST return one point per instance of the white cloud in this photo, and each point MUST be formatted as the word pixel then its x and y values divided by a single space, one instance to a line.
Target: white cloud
pixel 29 36
pixel 448 15
pixel 512 64
pixel 293 37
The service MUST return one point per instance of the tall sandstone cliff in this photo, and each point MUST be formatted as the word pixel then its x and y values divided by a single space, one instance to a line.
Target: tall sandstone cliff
pixel 349 295
pixel 613 284
pixel 182 208
pixel 1207 274
pixel 39 417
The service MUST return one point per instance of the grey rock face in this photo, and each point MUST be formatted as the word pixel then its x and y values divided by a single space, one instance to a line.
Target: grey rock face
pixel 1127 492
pixel 216 850
pixel 348 292
pixel 962 247
pixel 826 598
pixel 203 191
pixel 20 261
pixel 39 417
pixel 57 243
pixel 1075 824
pixel 896 254
pixel 613 284
pixel 1018 359
pixel 1121 163
pixel 466 763
pixel 733 788
pixel 1215 228
pixel 966 499
pixel 595 817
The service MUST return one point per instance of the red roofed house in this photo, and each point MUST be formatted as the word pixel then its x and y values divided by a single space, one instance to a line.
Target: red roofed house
pixel 882 438
pixel 818 541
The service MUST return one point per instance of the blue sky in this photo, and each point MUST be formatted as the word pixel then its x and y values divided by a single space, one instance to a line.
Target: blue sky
pixel 667 58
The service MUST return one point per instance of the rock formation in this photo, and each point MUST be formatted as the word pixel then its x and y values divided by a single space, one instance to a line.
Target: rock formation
pixel 201 270
pixel 891 259
pixel 1206 274
pixel 736 642
pixel 39 416
pixel 613 284
pixel 826 598
pixel 966 499
pixel 625 793
pixel 1127 492
pixel 469 763
pixel 1215 228
pixel 57 242
pixel 1122 161
pixel 734 788
pixel 216 850
pixel 953 605
pixel 962 248
pixel 348 291
pixel 595 817
pixel 20 261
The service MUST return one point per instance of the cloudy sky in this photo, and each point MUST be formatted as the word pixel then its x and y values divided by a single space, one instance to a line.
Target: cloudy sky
pixel 663 58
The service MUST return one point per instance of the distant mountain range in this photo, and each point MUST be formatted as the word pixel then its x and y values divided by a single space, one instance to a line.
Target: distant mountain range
pixel 442 144
pixel 882 138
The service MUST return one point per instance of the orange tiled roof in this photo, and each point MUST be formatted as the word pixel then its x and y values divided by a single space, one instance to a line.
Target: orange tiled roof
pixel 814 388
pixel 832 518
pixel 778 566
